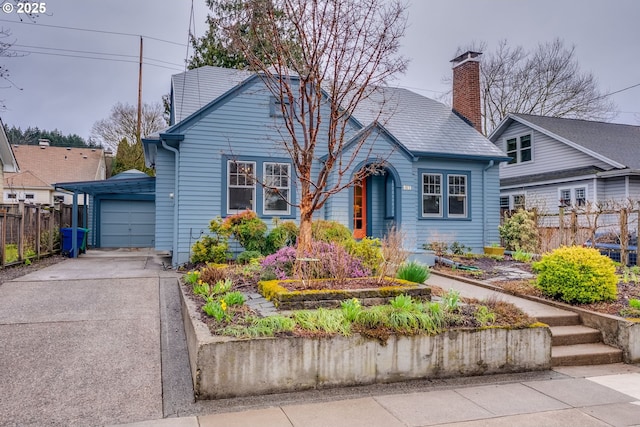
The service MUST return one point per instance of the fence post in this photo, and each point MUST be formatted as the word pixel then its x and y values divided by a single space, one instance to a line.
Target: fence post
pixel 624 236
pixel 574 227
pixel 52 213
pixel 38 229
pixel 21 230
pixel 561 225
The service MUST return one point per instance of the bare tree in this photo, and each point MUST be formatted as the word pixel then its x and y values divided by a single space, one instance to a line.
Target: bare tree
pixel 123 124
pixel 320 60
pixel 546 81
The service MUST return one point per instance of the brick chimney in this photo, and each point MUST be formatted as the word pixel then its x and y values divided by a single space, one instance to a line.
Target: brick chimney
pixel 466 88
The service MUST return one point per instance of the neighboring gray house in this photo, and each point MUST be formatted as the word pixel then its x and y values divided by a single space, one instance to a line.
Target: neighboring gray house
pixel 566 162
pixel 440 178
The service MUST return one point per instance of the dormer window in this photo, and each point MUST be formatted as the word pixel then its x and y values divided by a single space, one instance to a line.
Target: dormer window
pixel 519 149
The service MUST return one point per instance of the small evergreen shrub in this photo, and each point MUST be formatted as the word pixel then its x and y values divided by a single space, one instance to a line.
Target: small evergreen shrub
pixel 519 231
pixel 330 232
pixel 283 234
pixel 247 229
pixel 413 271
pixel 209 249
pixel 576 274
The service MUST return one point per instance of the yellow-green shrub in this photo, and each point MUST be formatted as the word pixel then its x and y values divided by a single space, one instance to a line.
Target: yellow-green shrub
pixel 576 274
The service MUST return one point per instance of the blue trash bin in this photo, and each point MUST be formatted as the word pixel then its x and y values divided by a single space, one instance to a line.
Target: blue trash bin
pixel 67 240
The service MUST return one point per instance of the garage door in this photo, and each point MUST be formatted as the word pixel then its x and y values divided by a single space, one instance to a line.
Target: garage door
pixel 127 223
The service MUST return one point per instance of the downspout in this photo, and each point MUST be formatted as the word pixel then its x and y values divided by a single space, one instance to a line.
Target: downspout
pixel 484 203
pixel 176 154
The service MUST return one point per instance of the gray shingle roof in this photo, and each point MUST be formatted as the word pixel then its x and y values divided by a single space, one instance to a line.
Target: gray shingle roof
pixel 618 142
pixel 422 125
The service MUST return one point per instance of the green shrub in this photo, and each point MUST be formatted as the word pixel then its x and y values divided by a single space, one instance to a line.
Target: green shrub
pixel 413 271
pixel 247 256
pixel 519 231
pixel 247 229
pixel 576 274
pixel 213 248
pixel 633 311
pixel 368 251
pixel 458 248
pixel 330 232
pixel 283 234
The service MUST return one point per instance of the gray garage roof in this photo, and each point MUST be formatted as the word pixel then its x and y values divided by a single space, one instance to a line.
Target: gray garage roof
pixel 129 182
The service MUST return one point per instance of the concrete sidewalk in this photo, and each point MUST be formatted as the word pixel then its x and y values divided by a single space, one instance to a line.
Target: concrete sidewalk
pixel 99 340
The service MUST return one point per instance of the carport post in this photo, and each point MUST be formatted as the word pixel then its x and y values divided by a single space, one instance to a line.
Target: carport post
pixel 74 227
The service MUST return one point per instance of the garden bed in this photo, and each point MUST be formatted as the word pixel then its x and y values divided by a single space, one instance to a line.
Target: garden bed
pixel 224 367
pixel 298 295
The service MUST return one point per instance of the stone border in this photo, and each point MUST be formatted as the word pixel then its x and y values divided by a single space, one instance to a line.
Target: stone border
pixel 332 298
pixel 223 367
pixel 616 331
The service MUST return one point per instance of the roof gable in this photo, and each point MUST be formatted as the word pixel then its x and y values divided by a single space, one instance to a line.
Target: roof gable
pixel 615 144
pixel 61 164
pixel 26 179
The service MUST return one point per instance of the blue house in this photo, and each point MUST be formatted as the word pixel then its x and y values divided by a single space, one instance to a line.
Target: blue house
pixel 439 179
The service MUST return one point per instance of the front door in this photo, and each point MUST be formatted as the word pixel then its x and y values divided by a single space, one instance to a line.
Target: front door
pixel 360 209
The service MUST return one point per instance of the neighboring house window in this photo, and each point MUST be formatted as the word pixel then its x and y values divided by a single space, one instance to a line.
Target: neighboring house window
pixel 445 195
pixel 581 196
pixel 504 202
pixel 11 196
pixel 458 195
pixel 58 199
pixel 277 186
pixel 573 196
pixel 431 194
pixel 518 201
pixel 241 186
pixel 29 196
pixel 519 149
pixel 565 198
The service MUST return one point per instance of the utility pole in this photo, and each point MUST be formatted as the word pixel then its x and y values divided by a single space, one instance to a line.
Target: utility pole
pixel 139 128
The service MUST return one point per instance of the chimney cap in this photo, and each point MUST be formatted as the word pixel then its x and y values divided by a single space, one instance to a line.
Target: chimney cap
pixel 467 56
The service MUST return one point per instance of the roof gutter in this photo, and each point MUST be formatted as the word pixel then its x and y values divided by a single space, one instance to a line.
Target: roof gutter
pixel 176 187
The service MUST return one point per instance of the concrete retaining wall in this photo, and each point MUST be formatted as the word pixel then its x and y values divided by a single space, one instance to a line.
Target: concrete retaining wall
pixel 224 367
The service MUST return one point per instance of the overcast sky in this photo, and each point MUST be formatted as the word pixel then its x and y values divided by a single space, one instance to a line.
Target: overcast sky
pixel 55 85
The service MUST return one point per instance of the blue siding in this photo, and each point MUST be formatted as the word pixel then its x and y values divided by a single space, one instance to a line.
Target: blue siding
pixel 165 177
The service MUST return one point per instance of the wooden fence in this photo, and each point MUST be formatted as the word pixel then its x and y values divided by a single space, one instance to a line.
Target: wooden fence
pixel 616 230
pixel 31 231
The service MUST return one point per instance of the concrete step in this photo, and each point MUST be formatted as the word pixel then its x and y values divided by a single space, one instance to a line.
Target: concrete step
pixel 566 318
pixel 575 334
pixel 584 354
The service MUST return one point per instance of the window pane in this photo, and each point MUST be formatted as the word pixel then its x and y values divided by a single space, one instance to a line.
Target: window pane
pixel 431 205
pixel 457 205
pixel 525 141
pixel 518 201
pixel 525 155
pixel 240 198
pixel 504 202
pixel 511 145
pixel 273 200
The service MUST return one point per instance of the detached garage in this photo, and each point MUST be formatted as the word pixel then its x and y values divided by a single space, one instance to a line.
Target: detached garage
pixel 121 210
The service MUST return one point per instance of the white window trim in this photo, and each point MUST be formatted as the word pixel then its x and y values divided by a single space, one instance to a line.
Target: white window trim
pixel 512 201
pixel 519 149
pixel 229 186
pixel 422 194
pixel 466 196
pixel 572 191
pixel 266 188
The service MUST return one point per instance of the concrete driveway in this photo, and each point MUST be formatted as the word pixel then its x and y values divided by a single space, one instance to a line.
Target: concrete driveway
pixel 81 341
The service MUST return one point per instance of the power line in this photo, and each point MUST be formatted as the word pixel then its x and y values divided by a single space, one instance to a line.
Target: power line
pixel 97 58
pixel 93 31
